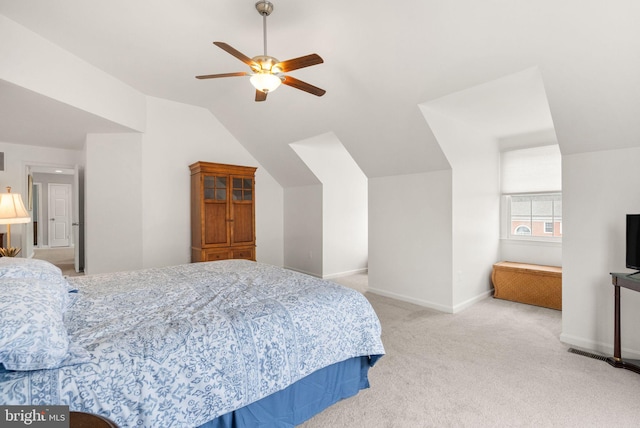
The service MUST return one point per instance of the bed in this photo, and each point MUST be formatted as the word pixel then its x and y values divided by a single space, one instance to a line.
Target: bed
pixel 215 344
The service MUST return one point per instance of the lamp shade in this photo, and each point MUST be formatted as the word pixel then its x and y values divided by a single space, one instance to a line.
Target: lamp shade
pixel 12 210
pixel 265 81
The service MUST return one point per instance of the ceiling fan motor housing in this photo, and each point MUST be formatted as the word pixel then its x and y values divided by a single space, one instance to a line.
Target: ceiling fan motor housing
pixel 266 63
pixel 264 7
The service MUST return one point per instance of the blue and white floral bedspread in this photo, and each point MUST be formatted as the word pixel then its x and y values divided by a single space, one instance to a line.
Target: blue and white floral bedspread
pixel 179 346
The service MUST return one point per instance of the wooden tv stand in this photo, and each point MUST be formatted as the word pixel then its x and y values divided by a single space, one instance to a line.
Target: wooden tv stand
pixel 632 283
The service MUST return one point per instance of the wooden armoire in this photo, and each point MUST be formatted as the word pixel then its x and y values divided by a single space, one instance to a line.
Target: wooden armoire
pixel 222 212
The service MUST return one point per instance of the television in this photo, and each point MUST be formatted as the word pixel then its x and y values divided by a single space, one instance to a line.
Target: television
pixel 633 241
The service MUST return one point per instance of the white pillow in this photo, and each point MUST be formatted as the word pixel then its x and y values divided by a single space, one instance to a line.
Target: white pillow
pixel 32 332
pixel 15 267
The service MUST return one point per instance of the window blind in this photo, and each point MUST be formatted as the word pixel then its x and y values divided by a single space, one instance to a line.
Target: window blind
pixel 536 169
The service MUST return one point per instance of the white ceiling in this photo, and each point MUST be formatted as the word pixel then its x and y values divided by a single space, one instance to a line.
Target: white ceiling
pixel 382 60
pixel 30 118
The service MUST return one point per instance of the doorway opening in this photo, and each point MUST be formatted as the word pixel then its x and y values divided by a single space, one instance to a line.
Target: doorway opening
pixel 55 199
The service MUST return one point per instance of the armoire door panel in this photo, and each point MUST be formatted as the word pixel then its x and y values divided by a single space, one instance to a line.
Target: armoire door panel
pixel 215 224
pixel 242 223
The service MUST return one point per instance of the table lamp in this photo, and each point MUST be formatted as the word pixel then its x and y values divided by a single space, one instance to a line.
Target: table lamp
pixel 12 211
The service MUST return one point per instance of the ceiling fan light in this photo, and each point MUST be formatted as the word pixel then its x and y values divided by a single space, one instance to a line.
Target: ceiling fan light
pixel 265 81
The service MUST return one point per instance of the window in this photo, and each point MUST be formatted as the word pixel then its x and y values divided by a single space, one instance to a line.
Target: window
pixel 531 198
pixel 537 215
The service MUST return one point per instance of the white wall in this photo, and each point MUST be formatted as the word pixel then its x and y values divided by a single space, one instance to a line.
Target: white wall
pixel 113 203
pixel 269 219
pixel 16 159
pixel 410 238
pixel 476 214
pixel 535 252
pixel 177 136
pixel 344 204
pixel 303 233
pixel 475 163
pixel 150 172
pixel 599 189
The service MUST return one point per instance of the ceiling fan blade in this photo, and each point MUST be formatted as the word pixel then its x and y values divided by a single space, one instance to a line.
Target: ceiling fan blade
pixel 301 62
pixel 303 86
pixel 261 96
pixel 215 76
pixel 242 57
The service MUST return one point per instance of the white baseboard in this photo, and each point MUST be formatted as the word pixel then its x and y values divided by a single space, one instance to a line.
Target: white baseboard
pixel 432 305
pixel 346 273
pixel 464 305
pixel 420 302
pixel 330 276
pixel 599 347
pixel 302 271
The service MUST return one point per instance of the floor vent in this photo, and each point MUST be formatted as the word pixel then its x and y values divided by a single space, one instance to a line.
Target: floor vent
pixel 588 354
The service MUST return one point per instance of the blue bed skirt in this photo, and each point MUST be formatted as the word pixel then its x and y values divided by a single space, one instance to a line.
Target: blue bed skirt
pixel 303 399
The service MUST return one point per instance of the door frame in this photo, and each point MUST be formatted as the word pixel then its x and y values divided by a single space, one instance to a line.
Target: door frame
pixel 39 237
pixel 76 205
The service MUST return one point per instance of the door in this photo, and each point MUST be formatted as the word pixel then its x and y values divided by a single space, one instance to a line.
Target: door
pixel 59 214
pixel 216 208
pixel 242 211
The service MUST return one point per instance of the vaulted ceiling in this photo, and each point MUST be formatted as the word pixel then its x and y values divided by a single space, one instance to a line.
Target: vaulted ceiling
pixel 382 60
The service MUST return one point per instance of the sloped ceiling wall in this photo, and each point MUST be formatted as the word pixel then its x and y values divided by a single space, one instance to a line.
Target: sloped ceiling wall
pixel 381 61
pixel 27 116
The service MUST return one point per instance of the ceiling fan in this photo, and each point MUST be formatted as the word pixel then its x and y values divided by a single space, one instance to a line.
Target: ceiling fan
pixel 267 73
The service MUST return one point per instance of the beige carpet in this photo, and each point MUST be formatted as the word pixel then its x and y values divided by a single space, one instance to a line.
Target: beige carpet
pixel 496 364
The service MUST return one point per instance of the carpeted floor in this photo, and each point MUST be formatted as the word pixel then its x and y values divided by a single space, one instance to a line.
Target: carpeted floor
pixel 496 364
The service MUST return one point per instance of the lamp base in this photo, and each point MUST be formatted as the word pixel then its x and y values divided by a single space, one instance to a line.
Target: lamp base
pixel 9 252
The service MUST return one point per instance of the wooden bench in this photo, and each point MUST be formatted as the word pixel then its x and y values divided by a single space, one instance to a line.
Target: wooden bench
pixel 527 283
